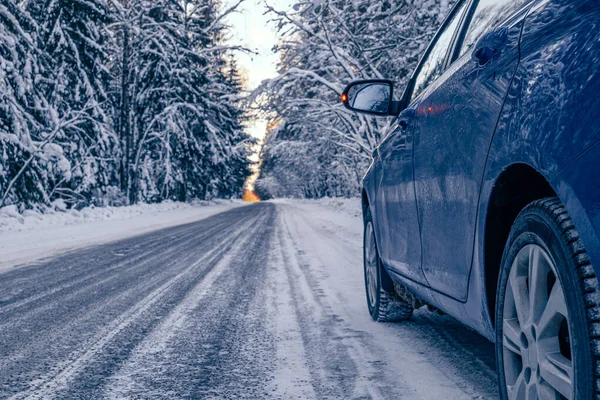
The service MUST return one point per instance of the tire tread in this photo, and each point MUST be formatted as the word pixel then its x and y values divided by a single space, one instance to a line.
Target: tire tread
pixel 392 308
pixel 588 281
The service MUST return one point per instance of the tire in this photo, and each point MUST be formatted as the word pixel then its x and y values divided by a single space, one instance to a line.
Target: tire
pixel 547 313
pixel 384 304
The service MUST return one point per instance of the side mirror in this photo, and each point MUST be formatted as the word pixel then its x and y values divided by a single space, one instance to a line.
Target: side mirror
pixel 373 97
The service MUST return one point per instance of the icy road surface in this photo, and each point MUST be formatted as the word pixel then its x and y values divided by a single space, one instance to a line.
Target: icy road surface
pixel 263 301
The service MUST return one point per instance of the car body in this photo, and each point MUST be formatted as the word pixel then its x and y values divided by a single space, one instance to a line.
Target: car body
pixel 495 146
pixel 475 145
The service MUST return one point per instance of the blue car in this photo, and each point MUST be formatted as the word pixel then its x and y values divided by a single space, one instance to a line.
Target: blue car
pixel 483 198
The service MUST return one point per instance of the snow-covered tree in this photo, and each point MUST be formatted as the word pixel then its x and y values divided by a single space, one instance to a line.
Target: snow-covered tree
pixel 118 101
pixel 182 130
pixel 20 124
pixel 230 167
pixel 73 40
pixel 34 153
pixel 324 45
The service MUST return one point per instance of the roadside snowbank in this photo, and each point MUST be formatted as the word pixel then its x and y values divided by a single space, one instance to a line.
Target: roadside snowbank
pixel 27 237
pixel 350 207
pixel 58 215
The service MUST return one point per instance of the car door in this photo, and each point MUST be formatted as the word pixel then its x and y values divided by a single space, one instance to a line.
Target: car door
pixel 399 234
pixel 457 116
pixel 399 228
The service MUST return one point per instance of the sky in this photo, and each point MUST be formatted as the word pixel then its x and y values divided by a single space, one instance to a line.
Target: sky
pixel 252 29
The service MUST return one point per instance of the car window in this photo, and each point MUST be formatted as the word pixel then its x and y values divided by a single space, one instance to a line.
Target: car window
pixel 488 15
pixel 433 66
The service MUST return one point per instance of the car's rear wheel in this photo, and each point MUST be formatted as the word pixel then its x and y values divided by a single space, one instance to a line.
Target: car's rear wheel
pixel 384 304
pixel 547 309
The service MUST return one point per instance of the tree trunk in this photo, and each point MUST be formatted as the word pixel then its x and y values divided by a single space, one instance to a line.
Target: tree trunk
pixel 125 131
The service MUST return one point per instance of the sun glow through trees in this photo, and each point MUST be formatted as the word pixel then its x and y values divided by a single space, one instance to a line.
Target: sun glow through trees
pixel 250 196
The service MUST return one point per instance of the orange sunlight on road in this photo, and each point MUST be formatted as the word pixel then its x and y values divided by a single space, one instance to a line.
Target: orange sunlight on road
pixel 250 196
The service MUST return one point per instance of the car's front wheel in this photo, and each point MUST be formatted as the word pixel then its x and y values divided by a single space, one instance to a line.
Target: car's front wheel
pixel 547 309
pixel 384 304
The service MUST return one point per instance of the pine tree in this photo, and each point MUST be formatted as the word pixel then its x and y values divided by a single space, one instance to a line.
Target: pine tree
pixel 231 167
pixel 73 39
pixel 24 171
pixel 186 126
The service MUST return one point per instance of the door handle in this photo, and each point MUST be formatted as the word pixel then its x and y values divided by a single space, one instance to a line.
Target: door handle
pixel 406 117
pixel 489 46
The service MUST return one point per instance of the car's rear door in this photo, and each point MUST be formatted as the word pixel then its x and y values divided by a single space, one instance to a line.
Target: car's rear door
pixel 398 224
pixel 456 120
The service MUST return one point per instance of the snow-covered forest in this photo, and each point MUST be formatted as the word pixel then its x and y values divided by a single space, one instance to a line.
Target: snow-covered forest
pixel 315 147
pixel 111 102
pixel 118 101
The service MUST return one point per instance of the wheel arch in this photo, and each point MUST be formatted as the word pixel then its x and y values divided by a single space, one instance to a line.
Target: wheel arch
pixel 516 186
pixel 365 203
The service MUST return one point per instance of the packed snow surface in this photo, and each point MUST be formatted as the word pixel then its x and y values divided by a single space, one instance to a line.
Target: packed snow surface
pixel 264 301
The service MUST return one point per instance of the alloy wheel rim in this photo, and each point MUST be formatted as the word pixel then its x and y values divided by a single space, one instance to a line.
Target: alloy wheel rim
pixel 537 354
pixel 371 264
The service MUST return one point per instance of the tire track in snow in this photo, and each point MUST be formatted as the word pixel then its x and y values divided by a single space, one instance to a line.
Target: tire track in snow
pixel 30 330
pixel 76 278
pixel 292 375
pixel 335 369
pixel 79 360
pixel 463 358
pixel 261 302
pixel 213 345
pixel 219 240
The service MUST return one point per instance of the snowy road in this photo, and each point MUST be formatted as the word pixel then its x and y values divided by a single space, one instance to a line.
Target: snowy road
pixel 263 301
